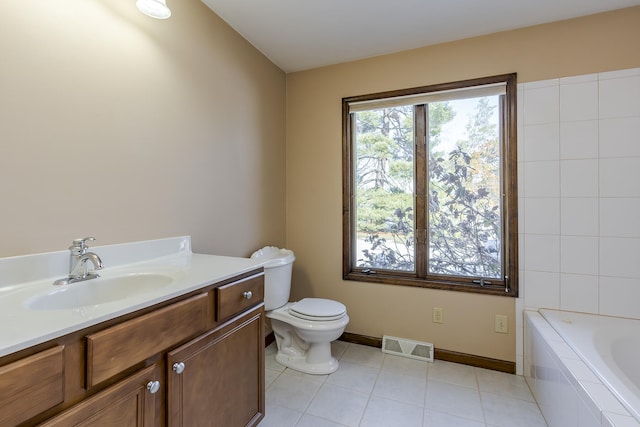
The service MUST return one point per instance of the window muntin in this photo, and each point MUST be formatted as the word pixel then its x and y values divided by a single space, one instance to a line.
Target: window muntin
pixel 429 186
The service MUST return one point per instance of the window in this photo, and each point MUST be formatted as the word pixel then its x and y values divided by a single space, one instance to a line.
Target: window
pixel 429 186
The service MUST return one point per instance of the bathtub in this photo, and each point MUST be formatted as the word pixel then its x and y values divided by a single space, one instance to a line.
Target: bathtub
pixel 583 369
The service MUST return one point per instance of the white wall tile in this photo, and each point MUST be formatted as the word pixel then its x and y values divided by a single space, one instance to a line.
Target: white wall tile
pixel 620 217
pixel 585 417
pixel 579 216
pixel 521 178
pixel 619 137
pixel 602 397
pixel 542 179
pixel 611 419
pixel 579 293
pixel 519 336
pixel 542 290
pixel 619 297
pixel 619 177
pixel 542 142
pixel 543 215
pixel 618 97
pixel 520 105
pixel 579 140
pixel 521 143
pixel 579 101
pixel 579 147
pixel 542 84
pixel 579 79
pixel 579 255
pixel 620 257
pixel 629 72
pixel 521 212
pixel 579 370
pixel 542 253
pixel 541 104
pixel 597 247
pixel 579 178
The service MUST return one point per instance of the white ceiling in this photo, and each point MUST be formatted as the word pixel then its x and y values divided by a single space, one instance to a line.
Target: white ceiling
pixel 303 34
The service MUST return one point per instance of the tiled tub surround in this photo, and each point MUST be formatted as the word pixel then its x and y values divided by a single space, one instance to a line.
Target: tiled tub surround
pixel 568 391
pixel 579 195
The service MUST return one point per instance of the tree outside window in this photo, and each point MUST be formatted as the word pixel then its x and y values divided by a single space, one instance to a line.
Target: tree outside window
pixel 430 189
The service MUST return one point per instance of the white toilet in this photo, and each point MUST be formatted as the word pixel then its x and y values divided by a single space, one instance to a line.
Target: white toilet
pixel 304 329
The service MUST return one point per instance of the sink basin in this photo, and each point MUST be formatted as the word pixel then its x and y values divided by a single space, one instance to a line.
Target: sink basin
pixel 98 291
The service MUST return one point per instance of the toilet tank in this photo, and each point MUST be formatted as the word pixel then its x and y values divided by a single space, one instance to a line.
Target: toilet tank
pixel 277 264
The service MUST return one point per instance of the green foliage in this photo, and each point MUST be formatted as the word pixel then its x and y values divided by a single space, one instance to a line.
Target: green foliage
pixel 464 192
pixel 440 113
pixel 464 203
pixel 384 180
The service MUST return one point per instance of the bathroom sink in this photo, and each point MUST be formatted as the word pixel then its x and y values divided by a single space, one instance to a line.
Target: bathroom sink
pixel 98 291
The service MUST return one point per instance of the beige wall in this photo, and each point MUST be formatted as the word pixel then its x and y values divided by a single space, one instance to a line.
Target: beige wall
pixel 592 44
pixel 119 126
pixel 126 128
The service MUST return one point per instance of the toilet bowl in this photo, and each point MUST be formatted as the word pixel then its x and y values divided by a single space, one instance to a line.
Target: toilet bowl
pixel 304 336
pixel 305 329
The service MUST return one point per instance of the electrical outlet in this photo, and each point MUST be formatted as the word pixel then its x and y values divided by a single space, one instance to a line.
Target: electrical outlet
pixel 438 315
pixel 501 324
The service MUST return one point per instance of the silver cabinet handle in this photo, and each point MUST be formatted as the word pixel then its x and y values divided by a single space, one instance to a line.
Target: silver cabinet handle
pixel 153 386
pixel 247 295
pixel 178 367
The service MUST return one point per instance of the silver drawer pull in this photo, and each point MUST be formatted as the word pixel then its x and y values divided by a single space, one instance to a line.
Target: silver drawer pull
pixel 178 367
pixel 153 386
pixel 247 295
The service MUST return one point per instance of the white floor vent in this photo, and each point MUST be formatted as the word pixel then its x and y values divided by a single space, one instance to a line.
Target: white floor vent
pixel 407 348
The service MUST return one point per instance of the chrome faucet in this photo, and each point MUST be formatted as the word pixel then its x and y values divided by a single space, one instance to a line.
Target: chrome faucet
pixel 78 270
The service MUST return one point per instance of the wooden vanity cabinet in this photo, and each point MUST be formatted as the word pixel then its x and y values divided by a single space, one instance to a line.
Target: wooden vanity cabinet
pixel 31 385
pixel 121 373
pixel 119 347
pixel 217 380
pixel 128 403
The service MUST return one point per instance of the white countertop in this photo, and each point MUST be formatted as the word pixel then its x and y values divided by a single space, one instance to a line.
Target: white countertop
pixel 22 278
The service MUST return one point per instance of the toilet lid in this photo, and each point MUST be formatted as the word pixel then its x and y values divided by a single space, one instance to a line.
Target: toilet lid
pixel 318 309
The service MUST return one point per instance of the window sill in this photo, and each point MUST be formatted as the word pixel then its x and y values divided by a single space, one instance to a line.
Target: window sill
pixel 431 284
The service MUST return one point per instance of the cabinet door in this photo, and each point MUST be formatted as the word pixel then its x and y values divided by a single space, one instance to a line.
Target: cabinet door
pixel 128 403
pixel 218 378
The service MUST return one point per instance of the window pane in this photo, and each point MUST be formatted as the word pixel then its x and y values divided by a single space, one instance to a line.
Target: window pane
pixel 384 183
pixel 464 206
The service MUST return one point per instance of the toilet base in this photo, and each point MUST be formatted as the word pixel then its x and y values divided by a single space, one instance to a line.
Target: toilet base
pixel 304 345
pixel 301 364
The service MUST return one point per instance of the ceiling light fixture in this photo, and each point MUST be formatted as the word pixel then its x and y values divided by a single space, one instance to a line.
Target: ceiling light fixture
pixel 154 8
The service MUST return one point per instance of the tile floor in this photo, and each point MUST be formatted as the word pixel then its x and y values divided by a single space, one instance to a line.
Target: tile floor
pixel 373 389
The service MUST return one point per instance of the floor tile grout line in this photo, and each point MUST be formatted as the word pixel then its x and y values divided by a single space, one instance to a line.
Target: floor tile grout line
pixel 490 388
pixel 484 412
pixel 365 409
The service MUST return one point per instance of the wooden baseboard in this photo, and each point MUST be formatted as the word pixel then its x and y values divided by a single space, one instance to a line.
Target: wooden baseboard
pixel 361 339
pixel 441 354
pixel 477 361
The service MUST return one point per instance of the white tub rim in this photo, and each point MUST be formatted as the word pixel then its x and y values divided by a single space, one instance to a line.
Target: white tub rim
pixel 561 325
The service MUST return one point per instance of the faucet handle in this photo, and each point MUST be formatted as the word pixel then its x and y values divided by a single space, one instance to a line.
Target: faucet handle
pixel 80 246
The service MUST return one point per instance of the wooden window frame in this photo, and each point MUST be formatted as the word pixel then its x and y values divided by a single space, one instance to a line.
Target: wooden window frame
pixel 506 287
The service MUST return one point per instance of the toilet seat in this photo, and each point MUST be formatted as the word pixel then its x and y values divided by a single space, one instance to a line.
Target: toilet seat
pixel 318 309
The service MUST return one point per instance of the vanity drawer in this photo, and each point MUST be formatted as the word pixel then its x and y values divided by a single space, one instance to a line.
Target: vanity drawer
pixel 238 296
pixel 31 386
pixel 117 348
